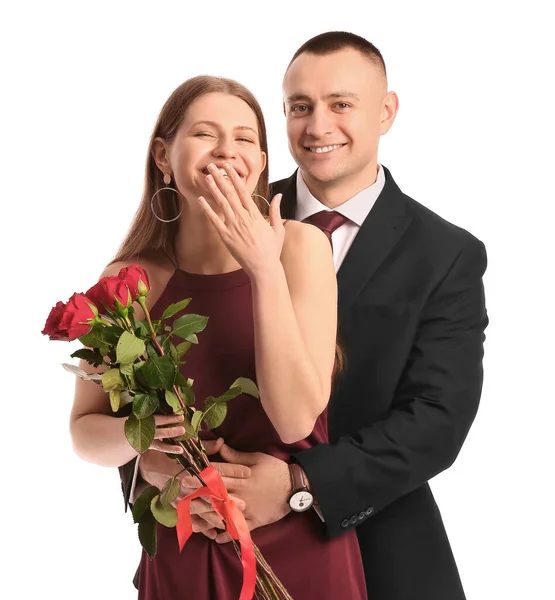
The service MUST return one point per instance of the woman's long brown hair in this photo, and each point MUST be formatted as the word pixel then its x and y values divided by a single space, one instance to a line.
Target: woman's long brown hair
pixel 148 233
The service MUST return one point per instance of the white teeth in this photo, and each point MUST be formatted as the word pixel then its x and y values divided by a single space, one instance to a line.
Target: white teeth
pixel 324 149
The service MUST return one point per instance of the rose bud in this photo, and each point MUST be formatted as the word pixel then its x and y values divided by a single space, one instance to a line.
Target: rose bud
pixel 136 279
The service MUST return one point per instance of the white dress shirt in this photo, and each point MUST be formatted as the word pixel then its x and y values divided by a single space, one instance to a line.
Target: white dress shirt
pixel 356 209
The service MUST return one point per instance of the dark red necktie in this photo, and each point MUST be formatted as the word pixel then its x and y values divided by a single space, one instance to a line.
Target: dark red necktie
pixel 328 221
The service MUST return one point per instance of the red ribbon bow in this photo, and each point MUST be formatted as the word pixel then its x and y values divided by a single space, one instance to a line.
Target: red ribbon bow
pixel 235 522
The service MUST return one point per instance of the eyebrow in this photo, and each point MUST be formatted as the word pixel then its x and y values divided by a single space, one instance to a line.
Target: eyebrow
pixel 332 96
pixel 218 126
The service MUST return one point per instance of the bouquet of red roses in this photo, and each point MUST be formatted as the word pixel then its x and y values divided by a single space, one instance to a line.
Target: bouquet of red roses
pixel 138 364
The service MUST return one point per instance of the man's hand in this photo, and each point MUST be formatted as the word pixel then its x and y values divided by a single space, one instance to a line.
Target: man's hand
pixel 263 496
pixel 156 468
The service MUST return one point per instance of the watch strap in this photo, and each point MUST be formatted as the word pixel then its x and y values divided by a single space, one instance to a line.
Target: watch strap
pixel 298 481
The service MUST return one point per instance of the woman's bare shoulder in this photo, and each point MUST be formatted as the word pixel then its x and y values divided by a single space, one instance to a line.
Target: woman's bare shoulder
pixel 303 236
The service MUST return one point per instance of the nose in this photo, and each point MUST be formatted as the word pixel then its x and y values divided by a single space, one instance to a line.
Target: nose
pixel 319 123
pixel 224 148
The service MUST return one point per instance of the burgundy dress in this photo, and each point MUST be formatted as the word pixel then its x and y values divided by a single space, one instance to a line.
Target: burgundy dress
pixel 310 566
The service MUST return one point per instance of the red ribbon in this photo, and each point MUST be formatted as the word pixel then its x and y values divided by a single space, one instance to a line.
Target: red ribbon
pixel 235 523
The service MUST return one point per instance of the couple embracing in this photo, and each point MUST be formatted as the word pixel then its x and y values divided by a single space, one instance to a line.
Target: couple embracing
pixel 359 313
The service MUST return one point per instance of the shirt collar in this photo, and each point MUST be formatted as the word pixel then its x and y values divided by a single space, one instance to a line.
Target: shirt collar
pixel 356 209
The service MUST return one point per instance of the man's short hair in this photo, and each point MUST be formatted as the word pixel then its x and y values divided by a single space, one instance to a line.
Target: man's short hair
pixel 333 41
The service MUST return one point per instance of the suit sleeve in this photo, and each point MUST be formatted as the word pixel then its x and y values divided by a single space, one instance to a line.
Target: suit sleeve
pixel 433 407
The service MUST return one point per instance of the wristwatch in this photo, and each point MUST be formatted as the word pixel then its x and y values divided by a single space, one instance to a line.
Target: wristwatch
pixel 301 499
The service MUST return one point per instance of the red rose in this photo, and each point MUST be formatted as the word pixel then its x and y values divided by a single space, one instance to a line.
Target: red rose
pixel 105 292
pixel 132 275
pixel 70 321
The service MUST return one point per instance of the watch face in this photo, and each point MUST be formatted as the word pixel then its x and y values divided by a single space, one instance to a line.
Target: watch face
pixel 300 501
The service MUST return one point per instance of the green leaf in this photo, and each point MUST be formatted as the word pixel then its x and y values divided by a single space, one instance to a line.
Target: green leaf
pixel 186 326
pixel 126 369
pixel 173 309
pixel 129 348
pixel 247 386
pixel 215 414
pixel 159 372
pixel 145 405
pixel 142 503
pixel 188 395
pixel 192 337
pixel 115 399
pixel 93 339
pixel 196 420
pixel 147 534
pixel 173 353
pixel 179 379
pixel 128 374
pixel 141 329
pixel 151 351
pixel 189 431
pixel 170 492
pixel 111 334
pixel 166 515
pixel 182 348
pixel 112 380
pixel 173 401
pixel 233 392
pixel 93 357
pixel 139 432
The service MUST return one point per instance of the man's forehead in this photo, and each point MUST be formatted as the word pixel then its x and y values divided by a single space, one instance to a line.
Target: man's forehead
pixel 323 75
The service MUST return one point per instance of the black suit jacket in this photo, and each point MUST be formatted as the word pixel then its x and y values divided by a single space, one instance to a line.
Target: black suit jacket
pixel 411 320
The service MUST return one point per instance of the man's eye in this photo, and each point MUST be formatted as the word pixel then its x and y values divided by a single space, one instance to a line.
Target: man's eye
pixel 299 108
pixel 246 140
pixel 203 134
pixel 342 105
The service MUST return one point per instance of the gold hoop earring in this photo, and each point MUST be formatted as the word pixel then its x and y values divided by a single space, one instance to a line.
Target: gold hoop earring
pixel 167 181
pixel 259 196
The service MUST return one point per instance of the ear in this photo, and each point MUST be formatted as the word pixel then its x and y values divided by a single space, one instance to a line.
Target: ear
pixel 159 151
pixel 389 112
pixel 264 160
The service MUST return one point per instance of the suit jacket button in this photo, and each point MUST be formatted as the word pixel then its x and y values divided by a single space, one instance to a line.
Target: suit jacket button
pixel 361 516
pixel 345 523
pixel 353 519
pixel 369 511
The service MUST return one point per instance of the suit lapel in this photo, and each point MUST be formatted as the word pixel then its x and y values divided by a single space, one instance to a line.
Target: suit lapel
pixel 287 187
pixel 381 230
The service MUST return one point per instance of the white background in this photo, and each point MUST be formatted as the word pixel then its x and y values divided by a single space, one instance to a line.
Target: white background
pixel 82 84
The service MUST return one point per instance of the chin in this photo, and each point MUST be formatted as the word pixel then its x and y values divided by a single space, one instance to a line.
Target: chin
pixel 326 175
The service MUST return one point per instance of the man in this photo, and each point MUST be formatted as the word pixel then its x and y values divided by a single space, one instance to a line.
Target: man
pixel 411 322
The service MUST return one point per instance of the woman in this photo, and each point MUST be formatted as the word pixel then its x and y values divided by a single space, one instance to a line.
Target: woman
pixel 269 289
